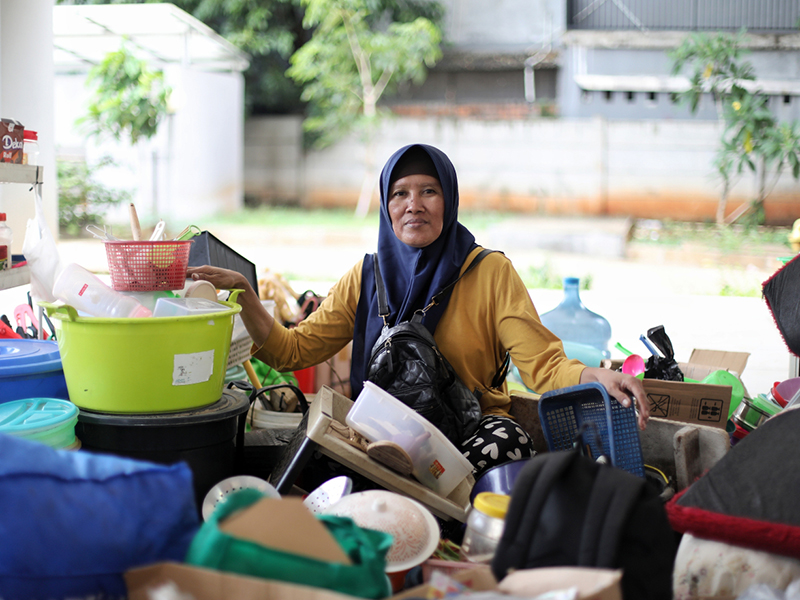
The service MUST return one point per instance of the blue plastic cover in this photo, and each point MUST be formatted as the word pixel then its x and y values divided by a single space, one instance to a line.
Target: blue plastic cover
pixel 21 416
pixel 25 357
pixel 72 522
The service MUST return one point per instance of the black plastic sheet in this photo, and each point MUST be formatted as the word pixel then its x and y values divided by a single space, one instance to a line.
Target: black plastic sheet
pixel 782 293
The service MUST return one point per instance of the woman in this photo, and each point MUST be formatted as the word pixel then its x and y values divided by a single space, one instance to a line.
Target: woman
pixel 421 249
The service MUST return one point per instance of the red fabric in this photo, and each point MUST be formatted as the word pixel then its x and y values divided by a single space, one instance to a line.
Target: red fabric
pixel 777 538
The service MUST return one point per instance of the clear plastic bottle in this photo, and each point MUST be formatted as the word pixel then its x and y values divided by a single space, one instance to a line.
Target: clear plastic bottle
pixel 30 147
pixel 86 292
pixel 5 243
pixel 572 321
pixel 485 524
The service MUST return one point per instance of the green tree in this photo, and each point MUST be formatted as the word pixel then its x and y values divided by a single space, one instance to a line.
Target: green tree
pixel 752 138
pixel 358 52
pixel 129 100
pixel 82 200
pixel 268 30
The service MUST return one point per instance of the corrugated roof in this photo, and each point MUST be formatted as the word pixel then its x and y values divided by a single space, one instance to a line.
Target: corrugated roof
pixel 160 33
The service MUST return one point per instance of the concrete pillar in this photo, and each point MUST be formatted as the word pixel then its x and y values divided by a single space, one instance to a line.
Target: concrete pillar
pixel 27 96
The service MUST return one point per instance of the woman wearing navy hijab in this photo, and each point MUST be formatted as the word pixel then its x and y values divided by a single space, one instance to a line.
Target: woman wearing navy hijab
pixel 421 249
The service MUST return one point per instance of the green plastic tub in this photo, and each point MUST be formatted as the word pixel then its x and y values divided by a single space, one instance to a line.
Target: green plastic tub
pixel 144 365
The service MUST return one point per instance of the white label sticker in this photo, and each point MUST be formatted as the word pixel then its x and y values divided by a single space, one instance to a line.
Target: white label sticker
pixel 192 368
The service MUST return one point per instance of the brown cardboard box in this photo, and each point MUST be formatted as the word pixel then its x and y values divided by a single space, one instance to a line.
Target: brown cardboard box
pixel 696 403
pixel 208 584
pixel 591 584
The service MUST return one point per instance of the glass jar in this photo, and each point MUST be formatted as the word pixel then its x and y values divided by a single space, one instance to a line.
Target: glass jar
pixel 485 524
pixel 30 147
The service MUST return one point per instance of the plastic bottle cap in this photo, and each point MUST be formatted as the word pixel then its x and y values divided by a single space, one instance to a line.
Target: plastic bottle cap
pixel 491 504
pixel 27 134
pixel 2 216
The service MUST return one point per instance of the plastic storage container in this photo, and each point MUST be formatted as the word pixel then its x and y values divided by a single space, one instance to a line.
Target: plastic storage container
pixel 485 524
pixel 181 307
pixel 30 147
pixel 144 365
pixel 611 431
pixel 6 238
pixel 31 369
pixel 50 421
pixel 86 292
pixel 572 321
pixel 379 416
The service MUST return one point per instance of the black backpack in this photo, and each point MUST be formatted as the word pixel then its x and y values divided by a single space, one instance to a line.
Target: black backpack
pixel 568 510
pixel 406 363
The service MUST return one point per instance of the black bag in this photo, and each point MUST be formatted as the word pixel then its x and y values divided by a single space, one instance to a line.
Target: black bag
pixel 406 362
pixel 568 510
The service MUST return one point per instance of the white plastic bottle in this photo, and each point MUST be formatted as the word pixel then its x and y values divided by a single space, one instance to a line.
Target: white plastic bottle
pixel 5 243
pixel 86 292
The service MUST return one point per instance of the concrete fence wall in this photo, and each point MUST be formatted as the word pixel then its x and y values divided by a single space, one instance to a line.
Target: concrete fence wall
pixel 644 169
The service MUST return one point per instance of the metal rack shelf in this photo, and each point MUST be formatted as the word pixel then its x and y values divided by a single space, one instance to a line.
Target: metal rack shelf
pixel 33 175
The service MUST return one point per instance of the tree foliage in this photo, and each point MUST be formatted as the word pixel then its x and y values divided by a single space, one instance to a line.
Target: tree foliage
pixel 82 199
pixel 355 55
pixel 129 99
pixel 753 139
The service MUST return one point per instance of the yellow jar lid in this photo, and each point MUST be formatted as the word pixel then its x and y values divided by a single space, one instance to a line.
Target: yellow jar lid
pixel 491 504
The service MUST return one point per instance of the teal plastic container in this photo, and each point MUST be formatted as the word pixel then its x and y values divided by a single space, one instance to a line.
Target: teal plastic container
pixel 50 421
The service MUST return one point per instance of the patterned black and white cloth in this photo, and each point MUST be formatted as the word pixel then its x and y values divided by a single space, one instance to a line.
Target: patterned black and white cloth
pixel 498 440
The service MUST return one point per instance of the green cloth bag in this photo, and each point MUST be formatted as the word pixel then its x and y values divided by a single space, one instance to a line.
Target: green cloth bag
pixel 365 577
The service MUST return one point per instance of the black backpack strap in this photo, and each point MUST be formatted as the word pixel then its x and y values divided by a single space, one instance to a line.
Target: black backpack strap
pixel 380 289
pixel 613 495
pixel 383 306
pixel 437 297
pixel 531 490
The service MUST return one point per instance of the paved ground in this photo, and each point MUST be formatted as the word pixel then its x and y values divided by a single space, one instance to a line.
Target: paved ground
pixel 633 286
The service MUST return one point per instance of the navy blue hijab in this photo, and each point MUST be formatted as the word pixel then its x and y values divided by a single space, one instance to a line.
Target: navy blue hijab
pixel 411 275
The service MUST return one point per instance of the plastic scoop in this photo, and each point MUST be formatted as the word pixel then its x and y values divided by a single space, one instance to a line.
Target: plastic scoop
pixel 633 365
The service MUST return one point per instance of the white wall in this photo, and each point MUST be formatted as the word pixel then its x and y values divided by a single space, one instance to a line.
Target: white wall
pixel 194 165
pixel 27 96
pixel 568 166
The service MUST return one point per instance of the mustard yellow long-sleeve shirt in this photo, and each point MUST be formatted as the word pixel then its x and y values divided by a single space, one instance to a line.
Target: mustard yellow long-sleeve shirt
pixel 490 312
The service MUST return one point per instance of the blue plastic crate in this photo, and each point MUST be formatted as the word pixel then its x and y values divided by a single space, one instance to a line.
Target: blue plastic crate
pixel 563 412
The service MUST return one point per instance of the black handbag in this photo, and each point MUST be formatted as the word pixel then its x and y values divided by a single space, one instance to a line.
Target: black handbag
pixel 406 363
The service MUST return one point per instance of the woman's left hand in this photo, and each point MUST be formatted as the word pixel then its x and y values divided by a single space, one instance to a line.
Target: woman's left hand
pixel 624 388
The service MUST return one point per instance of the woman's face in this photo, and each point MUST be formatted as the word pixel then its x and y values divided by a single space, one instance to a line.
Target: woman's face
pixel 416 207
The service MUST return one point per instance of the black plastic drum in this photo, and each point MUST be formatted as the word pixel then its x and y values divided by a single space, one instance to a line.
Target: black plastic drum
pixel 208 439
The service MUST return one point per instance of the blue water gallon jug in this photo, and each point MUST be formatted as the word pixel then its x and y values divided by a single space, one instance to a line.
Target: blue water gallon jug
pixel 573 322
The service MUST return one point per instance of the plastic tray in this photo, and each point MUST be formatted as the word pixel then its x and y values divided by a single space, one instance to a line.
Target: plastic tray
pixel 563 412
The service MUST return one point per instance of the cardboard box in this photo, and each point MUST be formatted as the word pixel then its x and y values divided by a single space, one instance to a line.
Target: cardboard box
pixel 208 584
pixel 144 583
pixel 590 583
pixel 697 403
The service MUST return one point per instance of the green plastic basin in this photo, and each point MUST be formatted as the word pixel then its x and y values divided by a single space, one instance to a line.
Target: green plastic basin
pixel 144 365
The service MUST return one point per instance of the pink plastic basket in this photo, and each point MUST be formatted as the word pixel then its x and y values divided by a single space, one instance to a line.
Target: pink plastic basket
pixel 147 266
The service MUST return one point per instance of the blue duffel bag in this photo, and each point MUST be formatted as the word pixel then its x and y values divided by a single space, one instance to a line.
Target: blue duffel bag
pixel 71 523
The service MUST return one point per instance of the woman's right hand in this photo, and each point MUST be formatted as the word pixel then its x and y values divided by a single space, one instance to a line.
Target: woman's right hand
pixel 255 317
pixel 222 279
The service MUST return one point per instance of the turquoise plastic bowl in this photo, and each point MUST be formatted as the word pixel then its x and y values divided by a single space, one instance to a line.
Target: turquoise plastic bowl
pixel 50 421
